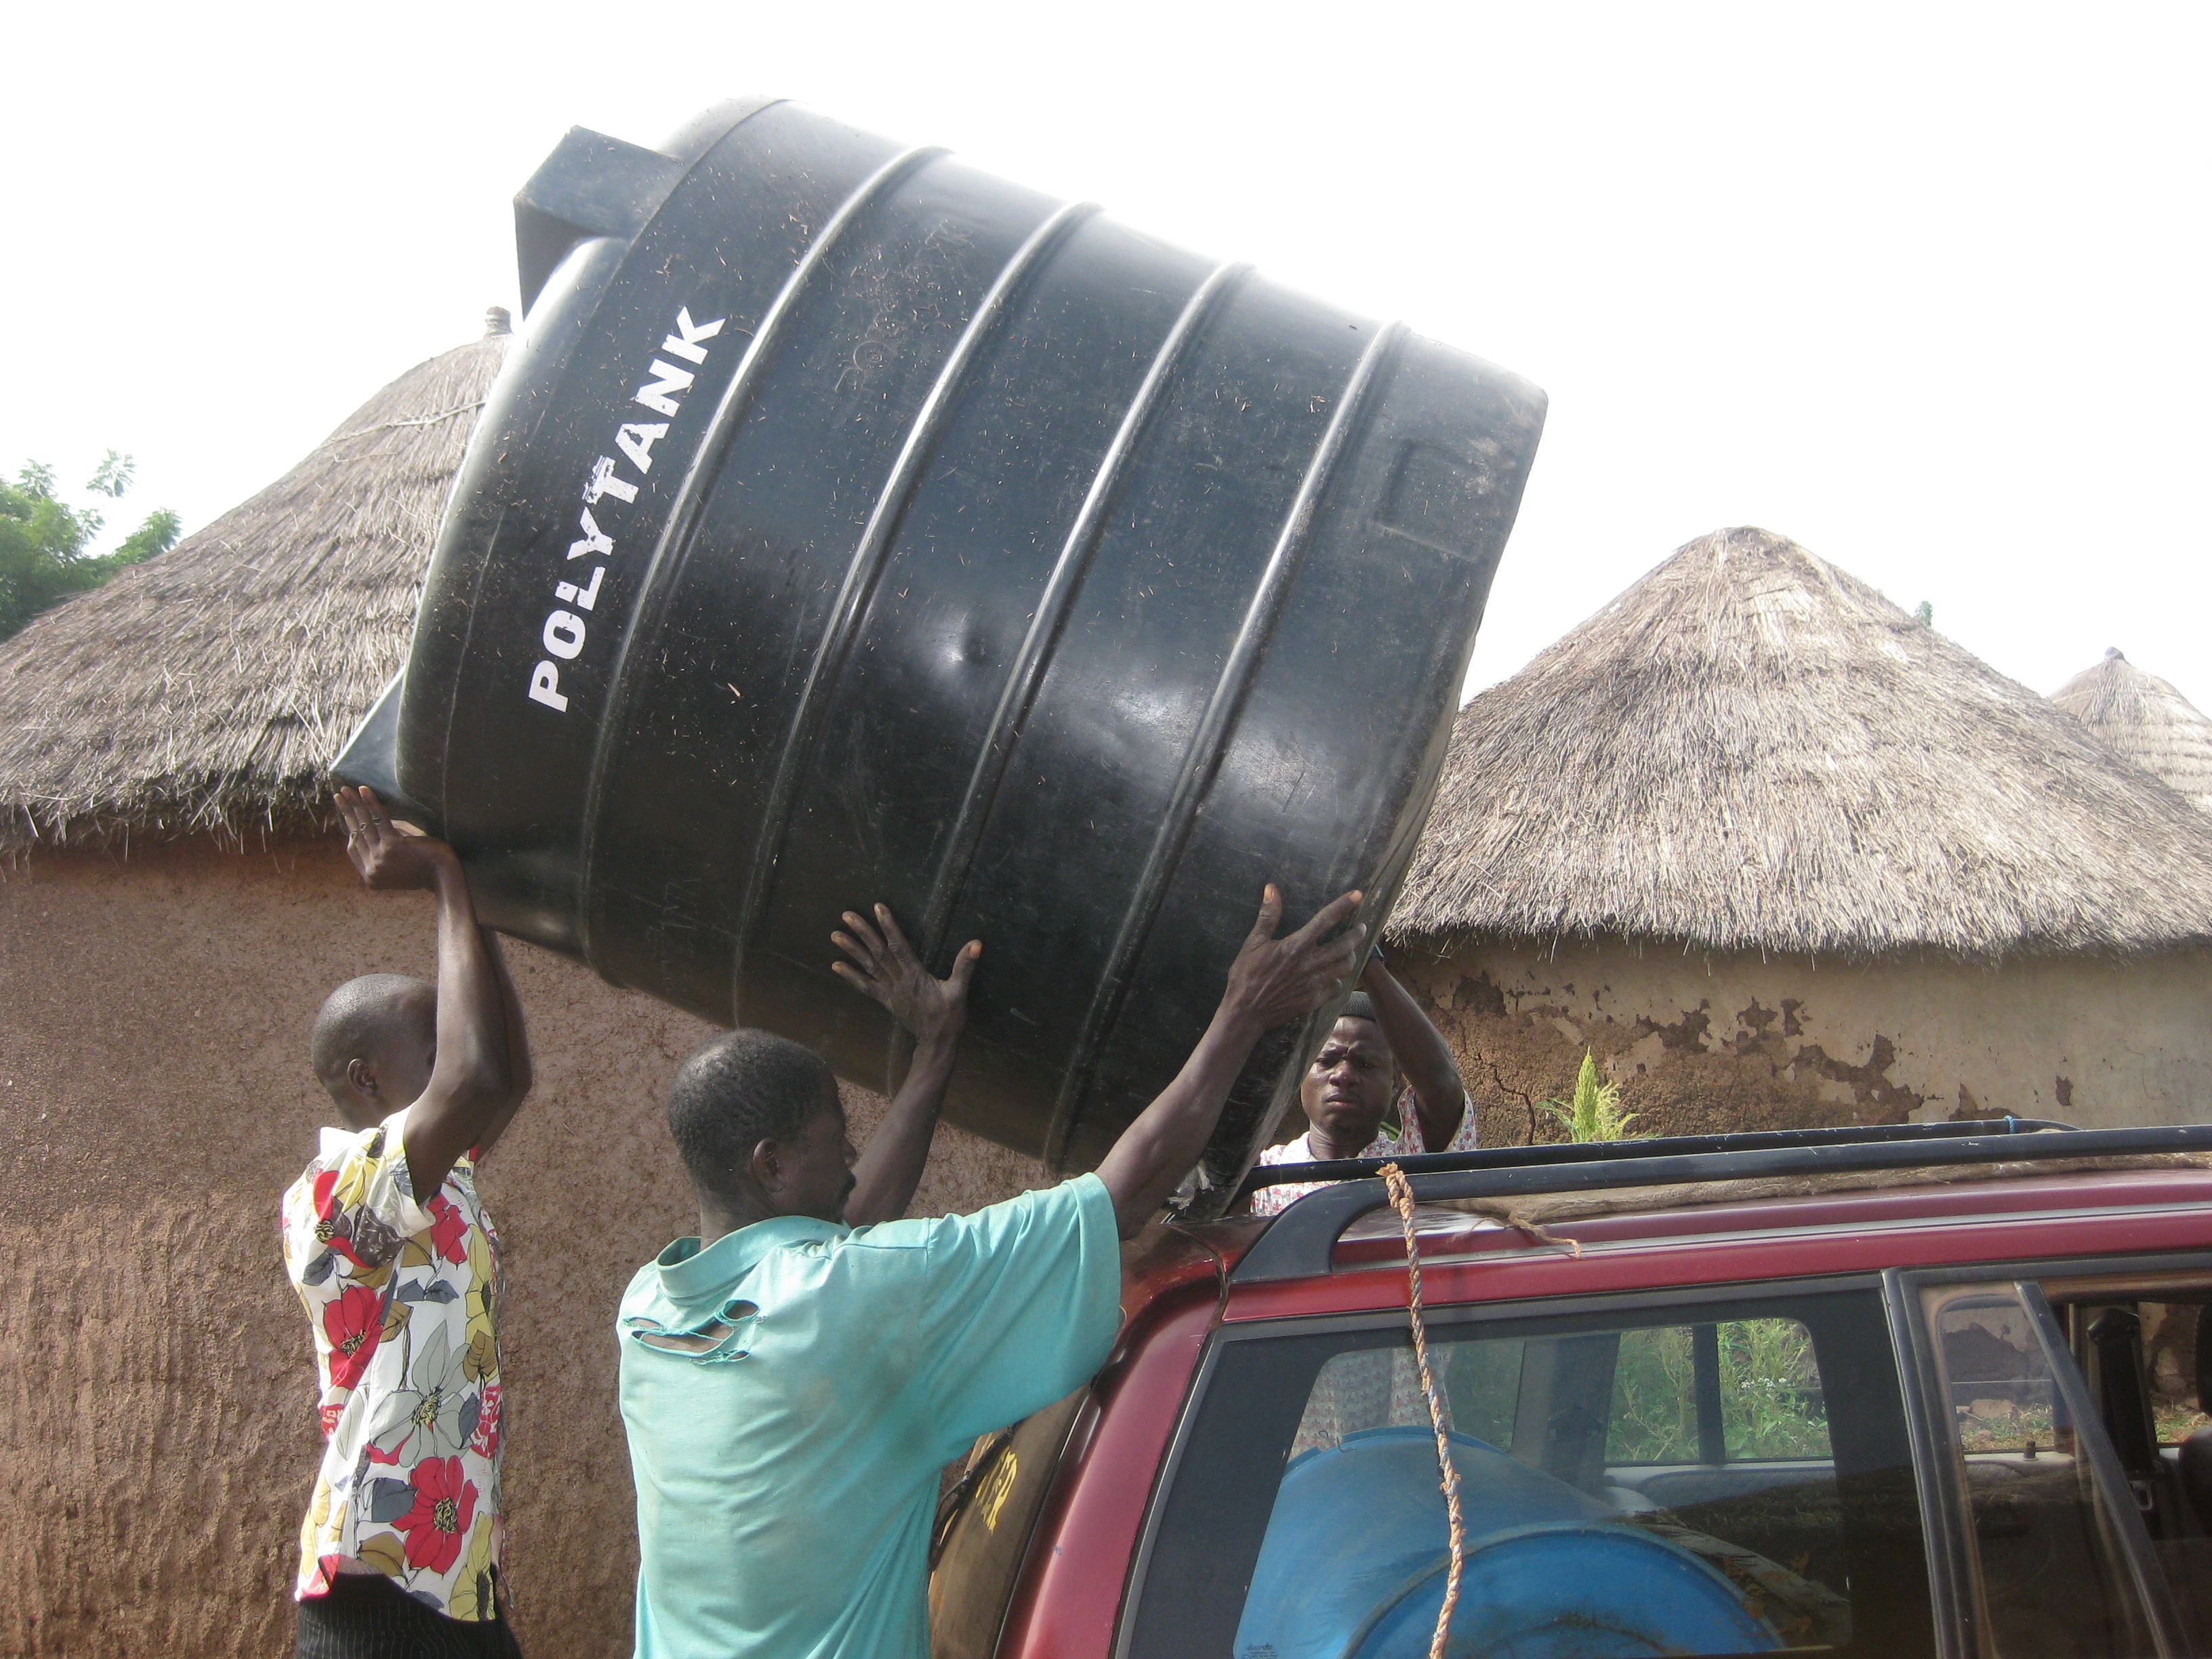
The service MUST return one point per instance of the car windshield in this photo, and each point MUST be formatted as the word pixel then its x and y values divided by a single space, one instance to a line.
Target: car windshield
pixel 1713 1477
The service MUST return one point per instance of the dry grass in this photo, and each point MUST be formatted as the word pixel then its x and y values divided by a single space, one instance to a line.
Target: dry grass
pixel 1752 749
pixel 2145 720
pixel 206 691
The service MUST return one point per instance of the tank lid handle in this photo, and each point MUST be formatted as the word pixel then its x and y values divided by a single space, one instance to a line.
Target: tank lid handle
pixel 590 185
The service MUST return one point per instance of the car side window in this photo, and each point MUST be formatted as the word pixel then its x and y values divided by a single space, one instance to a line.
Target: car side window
pixel 2143 1356
pixel 1721 1476
pixel 2045 1534
pixel 2174 1338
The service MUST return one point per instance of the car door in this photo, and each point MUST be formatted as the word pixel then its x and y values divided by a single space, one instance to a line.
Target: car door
pixel 2071 1477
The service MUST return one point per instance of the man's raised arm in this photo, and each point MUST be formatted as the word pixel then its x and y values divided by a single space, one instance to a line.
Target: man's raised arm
pixel 1424 1058
pixel 933 1011
pixel 1272 982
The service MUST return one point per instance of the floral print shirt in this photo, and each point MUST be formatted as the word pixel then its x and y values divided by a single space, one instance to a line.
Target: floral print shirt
pixel 400 1298
pixel 1273 1200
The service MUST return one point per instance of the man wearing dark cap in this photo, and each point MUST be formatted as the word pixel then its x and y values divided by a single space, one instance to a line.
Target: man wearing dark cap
pixel 1384 1051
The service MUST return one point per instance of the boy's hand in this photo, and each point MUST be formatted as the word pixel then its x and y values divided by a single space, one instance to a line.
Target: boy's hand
pixel 389 857
pixel 1275 980
pixel 888 970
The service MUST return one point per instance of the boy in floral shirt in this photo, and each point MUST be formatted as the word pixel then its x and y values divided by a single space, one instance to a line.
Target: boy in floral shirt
pixel 400 1547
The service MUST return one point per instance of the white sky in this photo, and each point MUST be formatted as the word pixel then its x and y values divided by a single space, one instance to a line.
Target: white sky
pixel 1922 285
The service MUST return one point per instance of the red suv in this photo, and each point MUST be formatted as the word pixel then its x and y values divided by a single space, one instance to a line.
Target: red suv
pixel 1897 1391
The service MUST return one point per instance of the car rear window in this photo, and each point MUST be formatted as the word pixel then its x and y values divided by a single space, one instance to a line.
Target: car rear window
pixel 1715 1476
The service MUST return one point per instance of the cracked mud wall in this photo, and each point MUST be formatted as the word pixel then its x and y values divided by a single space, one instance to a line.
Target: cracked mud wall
pixel 156 1397
pixel 1701 1044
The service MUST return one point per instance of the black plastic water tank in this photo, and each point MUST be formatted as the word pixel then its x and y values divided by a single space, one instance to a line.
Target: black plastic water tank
pixel 849 525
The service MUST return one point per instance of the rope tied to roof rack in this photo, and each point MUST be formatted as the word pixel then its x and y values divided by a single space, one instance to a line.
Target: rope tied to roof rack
pixel 1509 1215
pixel 1401 1199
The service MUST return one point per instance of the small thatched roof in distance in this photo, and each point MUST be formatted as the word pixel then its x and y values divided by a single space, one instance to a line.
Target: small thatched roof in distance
pixel 1752 749
pixel 2142 718
pixel 207 689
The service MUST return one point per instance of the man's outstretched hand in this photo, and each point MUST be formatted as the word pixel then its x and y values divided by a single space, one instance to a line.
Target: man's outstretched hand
pixel 1275 980
pixel 884 966
pixel 1272 982
pixel 389 857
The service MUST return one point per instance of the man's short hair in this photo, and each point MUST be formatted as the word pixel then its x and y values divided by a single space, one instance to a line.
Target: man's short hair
pixel 1360 1006
pixel 359 1019
pixel 736 1090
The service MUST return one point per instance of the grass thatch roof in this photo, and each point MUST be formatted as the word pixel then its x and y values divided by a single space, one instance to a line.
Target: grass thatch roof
pixel 1751 750
pixel 207 689
pixel 2146 719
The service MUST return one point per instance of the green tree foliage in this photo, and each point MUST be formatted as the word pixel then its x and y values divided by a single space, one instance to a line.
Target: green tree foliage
pixel 1594 1113
pixel 46 544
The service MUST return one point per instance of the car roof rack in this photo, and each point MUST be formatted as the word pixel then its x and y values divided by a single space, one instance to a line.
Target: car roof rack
pixel 1300 1242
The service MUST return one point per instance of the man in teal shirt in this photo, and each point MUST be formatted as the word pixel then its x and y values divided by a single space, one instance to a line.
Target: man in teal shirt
pixel 794 1378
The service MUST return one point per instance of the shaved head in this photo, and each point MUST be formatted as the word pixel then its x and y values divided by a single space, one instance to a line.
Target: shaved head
pixel 737 1090
pixel 382 1027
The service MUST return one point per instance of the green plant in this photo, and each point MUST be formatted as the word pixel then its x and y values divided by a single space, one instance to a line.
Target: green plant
pixel 1770 1394
pixel 1654 1409
pixel 1771 1400
pixel 1594 1113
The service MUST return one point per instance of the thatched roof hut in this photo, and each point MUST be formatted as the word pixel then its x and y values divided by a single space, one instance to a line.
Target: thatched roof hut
pixel 207 689
pixel 1751 750
pixel 2146 719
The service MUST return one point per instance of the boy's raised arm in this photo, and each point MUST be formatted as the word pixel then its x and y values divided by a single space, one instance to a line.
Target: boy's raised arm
pixel 520 1074
pixel 470 1079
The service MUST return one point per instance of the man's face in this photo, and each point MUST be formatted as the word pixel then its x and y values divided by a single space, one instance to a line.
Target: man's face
pixel 1347 1089
pixel 815 1169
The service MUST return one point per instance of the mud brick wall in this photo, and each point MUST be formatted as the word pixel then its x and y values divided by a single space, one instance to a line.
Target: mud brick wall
pixel 1703 1043
pixel 157 1398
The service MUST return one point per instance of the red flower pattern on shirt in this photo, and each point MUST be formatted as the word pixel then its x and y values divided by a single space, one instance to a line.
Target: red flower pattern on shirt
pixel 402 1301
pixel 352 1323
pixel 444 1503
pixel 485 1441
pixel 448 1227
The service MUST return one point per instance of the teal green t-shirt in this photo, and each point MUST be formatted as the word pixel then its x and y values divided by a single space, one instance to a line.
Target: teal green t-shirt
pixel 792 1391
